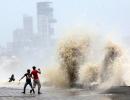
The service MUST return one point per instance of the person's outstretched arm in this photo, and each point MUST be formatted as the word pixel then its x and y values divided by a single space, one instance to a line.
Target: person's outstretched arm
pixel 22 78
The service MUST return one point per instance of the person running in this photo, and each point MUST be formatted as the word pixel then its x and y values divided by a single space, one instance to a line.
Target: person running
pixel 28 81
pixel 36 80
pixel 11 78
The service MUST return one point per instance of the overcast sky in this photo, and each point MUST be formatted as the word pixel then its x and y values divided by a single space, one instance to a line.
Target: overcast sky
pixel 105 15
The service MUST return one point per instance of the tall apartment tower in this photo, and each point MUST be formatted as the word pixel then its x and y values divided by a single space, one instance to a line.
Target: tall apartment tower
pixel 45 20
pixel 28 24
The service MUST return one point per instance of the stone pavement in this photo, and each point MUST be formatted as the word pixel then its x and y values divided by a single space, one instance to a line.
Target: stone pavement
pixel 58 94
pixel 14 94
pixel 47 94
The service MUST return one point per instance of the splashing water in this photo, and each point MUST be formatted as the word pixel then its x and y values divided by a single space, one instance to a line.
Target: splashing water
pixel 56 77
pixel 74 67
pixel 88 75
pixel 71 55
pixel 110 73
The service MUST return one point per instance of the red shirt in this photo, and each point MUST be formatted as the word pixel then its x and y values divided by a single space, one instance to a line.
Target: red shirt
pixel 35 74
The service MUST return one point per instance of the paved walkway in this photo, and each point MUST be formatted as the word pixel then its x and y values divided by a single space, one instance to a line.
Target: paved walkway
pixel 58 94
pixel 47 94
pixel 14 94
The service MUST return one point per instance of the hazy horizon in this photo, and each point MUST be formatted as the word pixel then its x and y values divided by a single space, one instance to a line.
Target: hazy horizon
pixel 105 16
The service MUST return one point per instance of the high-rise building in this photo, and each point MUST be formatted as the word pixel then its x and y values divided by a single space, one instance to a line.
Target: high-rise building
pixel 45 20
pixel 18 35
pixel 28 24
pixel 24 34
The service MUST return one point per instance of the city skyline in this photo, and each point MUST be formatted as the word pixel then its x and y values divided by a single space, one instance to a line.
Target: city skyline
pixel 29 47
pixel 107 16
pixel 25 40
pixel 27 24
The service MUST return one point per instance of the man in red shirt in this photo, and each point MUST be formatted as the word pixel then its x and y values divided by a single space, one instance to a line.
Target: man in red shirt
pixel 36 80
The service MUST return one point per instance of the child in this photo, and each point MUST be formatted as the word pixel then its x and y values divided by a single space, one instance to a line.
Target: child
pixel 28 81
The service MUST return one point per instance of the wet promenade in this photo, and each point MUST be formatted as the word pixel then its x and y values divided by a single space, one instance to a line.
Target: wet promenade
pixel 58 94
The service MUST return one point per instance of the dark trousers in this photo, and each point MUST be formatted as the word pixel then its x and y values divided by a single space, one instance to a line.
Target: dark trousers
pixel 28 83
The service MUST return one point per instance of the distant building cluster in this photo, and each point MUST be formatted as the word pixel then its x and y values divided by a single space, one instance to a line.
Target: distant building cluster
pixel 28 44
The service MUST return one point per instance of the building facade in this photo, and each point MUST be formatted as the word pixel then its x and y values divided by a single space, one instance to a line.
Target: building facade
pixel 45 20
